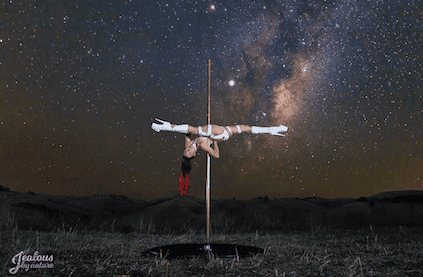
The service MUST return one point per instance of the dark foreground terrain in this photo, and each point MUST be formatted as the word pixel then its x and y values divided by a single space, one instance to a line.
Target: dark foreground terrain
pixel 108 235
pixel 367 252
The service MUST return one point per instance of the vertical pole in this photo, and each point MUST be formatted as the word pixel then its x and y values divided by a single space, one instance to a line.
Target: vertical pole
pixel 208 156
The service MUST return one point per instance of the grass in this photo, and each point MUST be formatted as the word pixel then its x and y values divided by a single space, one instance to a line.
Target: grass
pixel 7 217
pixel 297 254
pixel 370 251
pixel 325 253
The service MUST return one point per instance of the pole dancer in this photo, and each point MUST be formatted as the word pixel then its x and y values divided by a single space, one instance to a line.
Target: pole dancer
pixel 207 135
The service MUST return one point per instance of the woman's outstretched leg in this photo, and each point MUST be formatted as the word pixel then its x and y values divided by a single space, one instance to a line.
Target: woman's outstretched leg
pixel 269 130
pixel 238 129
pixel 191 129
pixel 167 126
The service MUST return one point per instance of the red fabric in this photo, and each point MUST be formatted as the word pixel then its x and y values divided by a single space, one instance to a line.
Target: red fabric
pixel 183 184
pixel 186 183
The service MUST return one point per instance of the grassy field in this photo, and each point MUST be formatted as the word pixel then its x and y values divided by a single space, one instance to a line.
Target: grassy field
pixel 369 251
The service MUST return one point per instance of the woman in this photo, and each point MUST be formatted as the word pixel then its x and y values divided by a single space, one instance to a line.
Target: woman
pixel 207 134
pixel 191 148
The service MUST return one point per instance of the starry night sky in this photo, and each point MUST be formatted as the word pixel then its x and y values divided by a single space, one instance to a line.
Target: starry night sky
pixel 82 81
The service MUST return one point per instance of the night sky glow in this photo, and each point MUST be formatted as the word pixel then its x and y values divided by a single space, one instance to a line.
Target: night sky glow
pixel 82 81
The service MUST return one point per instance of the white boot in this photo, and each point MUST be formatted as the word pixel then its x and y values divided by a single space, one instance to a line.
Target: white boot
pixel 269 130
pixel 165 126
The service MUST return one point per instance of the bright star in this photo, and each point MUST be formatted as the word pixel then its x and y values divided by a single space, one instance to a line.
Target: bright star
pixel 231 83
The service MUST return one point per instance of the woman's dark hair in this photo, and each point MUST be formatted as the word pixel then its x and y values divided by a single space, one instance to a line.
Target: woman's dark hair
pixel 186 162
pixel 186 165
pixel 184 177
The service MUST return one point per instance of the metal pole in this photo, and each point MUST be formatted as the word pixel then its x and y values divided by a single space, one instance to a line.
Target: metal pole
pixel 208 157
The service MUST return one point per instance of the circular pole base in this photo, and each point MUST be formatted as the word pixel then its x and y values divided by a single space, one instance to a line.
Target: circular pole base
pixel 221 250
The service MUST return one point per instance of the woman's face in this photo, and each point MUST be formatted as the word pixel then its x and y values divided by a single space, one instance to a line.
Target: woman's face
pixel 189 152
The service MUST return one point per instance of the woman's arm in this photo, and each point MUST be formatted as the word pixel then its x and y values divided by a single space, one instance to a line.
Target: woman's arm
pixel 188 141
pixel 214 152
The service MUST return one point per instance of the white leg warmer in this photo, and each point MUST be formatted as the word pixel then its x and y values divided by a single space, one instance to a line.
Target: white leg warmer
pixel 269 130
pixel 260 130
pixel 166 126
pixel 181 129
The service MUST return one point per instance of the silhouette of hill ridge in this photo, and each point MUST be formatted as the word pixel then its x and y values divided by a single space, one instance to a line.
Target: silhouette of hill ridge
pixel 49 212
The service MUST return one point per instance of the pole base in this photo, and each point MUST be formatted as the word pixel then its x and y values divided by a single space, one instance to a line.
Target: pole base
pixel 221 250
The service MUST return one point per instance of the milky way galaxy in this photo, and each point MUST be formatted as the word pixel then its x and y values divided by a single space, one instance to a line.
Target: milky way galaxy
pixel 82 81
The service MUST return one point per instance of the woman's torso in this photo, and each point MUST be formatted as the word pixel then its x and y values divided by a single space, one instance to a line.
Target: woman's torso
pixel 215 132
pixel 201 141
